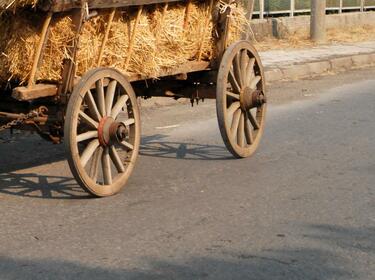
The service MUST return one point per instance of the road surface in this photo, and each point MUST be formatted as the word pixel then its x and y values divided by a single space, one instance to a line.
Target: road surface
pixel 303 207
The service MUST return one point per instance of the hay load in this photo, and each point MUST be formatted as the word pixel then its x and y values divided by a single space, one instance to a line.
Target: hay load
pixel 162 40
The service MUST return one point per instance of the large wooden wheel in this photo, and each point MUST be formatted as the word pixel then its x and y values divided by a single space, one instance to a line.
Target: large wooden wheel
pixel 102 131
pixel 241 99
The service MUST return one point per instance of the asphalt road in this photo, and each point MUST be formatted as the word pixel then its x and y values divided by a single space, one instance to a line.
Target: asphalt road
pixel 303 207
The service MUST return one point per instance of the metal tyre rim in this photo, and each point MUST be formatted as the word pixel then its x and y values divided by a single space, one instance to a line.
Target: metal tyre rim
pixel 102 131
pixel 240 99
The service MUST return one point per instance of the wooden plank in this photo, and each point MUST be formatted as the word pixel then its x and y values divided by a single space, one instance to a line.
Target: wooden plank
pixel 34 92
pixel 192 66
pixel 48 90
pixel 38 52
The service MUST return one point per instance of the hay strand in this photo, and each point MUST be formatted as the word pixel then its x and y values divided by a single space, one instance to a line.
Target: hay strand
pixel 141 41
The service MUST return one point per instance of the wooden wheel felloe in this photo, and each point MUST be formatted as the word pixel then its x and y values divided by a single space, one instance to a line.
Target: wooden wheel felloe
pixel 240 99
pixel 102 131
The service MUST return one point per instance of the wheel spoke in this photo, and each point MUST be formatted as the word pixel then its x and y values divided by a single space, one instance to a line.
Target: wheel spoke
pixel 87 135
pixel 129 122
pixel 106 166
pixel 237 69
pixel 87 119
pixel 253 121
pixel 116 159
pixel 89 151
pixel 101 99
pixel 254 82
pixel 233 82
pixel 92 106
pixel 127 145
pixel 234 95
pixel 250 71
pixel 119 105
pixel 248 133
pixel 244 62
pixel 110 94
pixel 235 122
pixel 233 107
pixel 240 131
pixel 94 166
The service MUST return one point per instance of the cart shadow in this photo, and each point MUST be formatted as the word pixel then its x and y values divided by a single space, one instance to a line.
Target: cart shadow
pixel 154 146
pixel 40 186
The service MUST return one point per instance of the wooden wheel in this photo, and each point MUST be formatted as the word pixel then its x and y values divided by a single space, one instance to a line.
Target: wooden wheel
pixel 241 99
pixel 102 131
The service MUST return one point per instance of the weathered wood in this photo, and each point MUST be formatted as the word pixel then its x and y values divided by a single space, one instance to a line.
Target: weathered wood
pixel 34 92
pixel 187 14
pixel 189 67
pixel 105 39
pixel 206 23
pixel 37 55
pixel 48 90
pixel 222 31
pixel 69 64
pixel 132 38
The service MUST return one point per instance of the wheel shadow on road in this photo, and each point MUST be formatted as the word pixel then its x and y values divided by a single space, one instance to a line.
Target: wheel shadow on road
pixel 155 146
pixel 40 186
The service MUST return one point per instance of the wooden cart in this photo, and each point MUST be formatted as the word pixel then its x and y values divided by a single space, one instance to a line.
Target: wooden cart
pixel 98 115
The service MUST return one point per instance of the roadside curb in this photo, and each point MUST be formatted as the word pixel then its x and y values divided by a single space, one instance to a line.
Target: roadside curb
pixel 319 68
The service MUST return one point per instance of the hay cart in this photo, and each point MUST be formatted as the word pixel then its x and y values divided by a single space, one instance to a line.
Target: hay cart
pixel 97 114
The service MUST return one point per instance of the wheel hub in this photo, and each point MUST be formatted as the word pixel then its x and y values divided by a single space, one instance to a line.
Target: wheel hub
pixel 250 98
pixel 110 131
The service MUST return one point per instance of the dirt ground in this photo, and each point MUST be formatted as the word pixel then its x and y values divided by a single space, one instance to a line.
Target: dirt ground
pixel 301 39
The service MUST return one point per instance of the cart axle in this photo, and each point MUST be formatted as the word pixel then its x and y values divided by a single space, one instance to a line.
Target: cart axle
pixel 250 98
pixel 111 131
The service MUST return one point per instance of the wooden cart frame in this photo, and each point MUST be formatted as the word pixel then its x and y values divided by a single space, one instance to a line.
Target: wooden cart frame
pixel 98 115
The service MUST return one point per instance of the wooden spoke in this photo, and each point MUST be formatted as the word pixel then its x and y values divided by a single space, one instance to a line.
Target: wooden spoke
pixel 241 126
pixel 244 59
pixel 102 169
pixel 234 95
pixel 235 122
pixel 127 145
pixel 92 106
pixel 254 82
pixel 110 94
pixel 129 122
pixel 106 166
pixel 119 105
pixel 88 120
pixel 101 99
pixel 87 135
pixel 94 166
pixel 233 107
pixel 248 133
pixel 233 82
pixel 241 131
pixel 116 159
pixel 250 71
pixel 253 121
pixel 237 69
pixel 89 151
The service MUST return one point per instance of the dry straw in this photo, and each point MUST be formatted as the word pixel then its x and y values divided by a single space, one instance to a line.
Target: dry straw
pixel 160 42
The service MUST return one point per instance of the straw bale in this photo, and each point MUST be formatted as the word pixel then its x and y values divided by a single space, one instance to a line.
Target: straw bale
pixel 161 42
pixel 16 4
pixel 22 41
